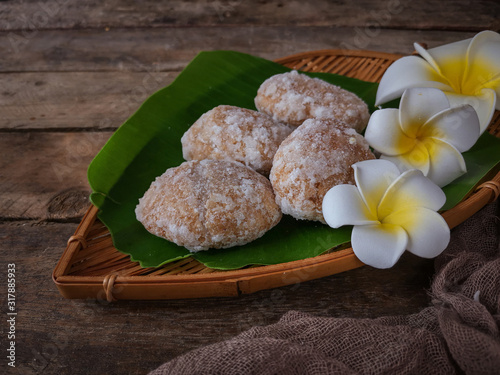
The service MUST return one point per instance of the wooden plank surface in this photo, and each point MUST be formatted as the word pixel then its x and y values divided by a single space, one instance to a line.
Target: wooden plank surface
pixel 63 101
pixel 132 337
pixel 43 175
pixel 71 72
pixel 398 14
pixel 154 50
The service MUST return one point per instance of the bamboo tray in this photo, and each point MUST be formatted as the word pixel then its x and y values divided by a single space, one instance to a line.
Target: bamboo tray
pixel 91 267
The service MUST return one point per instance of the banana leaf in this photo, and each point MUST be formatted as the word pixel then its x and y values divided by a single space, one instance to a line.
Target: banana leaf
pixel 148 143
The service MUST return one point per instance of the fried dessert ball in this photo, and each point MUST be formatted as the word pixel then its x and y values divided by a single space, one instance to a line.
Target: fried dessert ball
pixel 237 134
pixel 209 204
pixel 315 157
pixel 293 97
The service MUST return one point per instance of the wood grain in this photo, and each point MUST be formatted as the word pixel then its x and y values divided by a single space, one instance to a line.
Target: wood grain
pixel 43 174
pixel 70 336
pixel 158 50
pixel 66 101
pixel 398 14
pixel 72 71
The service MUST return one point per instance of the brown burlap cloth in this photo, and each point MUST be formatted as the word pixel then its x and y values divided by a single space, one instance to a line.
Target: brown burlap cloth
pixel 458 333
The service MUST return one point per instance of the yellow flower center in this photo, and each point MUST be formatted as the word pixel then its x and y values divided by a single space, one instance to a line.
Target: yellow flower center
pixel 417 146
pixel 478 76
pixel 419 154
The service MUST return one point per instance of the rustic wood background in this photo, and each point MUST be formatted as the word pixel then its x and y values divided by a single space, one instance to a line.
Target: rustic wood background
pixel 72 71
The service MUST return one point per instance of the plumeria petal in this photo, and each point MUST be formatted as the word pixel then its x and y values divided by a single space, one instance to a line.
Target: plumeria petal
pixel 373 177
pixel 385 135
pixel 468 71
pixel 497 97
pixel 450 60
pixel 432 134
pixel 483 104
pixel 379 245
pixel 416 158
pixel 427 57
pixel 446 162
pixel 405 218
pixel 428 233
pixel 483 67
pixel 458 126
pixel 411 189
pixel 418 105
pixel 343 205
pixel 407 72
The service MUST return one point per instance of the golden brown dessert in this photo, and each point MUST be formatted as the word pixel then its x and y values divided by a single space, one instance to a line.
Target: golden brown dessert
pixel 238 134
pixel 293 97
pixel 315 157
pixel 209 204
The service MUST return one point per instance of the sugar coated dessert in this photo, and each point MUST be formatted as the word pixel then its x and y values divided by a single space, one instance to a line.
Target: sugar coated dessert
pixel 293 97
pixel 237 134
pixel 315 157
pixel 209 204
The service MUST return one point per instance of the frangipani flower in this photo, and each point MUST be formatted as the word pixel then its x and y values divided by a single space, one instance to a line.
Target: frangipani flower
pixel 425 134
pixel 467 71
pixel 391 213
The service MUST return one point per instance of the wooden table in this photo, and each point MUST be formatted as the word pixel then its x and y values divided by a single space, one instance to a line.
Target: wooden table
pixel 72 72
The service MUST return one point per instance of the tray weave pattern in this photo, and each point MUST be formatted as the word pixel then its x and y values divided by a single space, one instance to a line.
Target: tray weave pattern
pixel 91 267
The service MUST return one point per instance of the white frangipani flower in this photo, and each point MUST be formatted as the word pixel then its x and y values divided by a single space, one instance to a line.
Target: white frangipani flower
pixel 467 71
pixel 425 134
pixel 391 213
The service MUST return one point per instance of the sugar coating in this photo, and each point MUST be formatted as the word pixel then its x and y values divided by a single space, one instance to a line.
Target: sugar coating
pixel 292 98
pixel 209 204
pixel 237 134
pixel 315 157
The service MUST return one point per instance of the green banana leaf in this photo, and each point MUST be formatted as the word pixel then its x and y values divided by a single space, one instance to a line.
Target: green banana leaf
pixel 149 142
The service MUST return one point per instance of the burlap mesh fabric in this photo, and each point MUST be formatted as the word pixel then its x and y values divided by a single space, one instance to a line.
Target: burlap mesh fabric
pixel 457 333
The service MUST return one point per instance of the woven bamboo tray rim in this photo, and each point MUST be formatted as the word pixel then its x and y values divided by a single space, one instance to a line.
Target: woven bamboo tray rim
pixel 90 266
